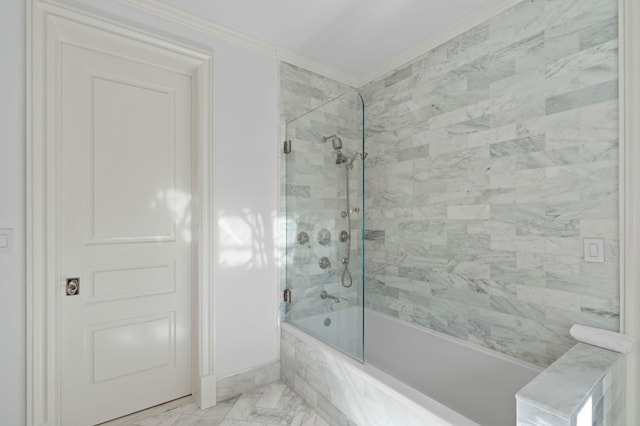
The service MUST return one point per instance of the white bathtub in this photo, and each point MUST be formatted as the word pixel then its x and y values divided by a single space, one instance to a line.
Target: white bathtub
pixel 455 382
pixel 342 329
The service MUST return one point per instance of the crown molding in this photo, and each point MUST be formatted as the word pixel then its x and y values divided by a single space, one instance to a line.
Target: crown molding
pixel 173 14
pixel 469 21
pixel 317 67
pixel 179 16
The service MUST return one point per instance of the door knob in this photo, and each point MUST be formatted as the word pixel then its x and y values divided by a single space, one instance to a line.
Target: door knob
pixel 73 286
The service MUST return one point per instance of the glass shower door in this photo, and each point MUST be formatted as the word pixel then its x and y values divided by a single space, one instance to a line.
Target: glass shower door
pixel 324 204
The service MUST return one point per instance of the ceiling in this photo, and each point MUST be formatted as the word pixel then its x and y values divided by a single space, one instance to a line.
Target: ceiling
pixel 352 37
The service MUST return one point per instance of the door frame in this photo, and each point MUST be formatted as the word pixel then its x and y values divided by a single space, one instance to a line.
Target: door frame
pixel 44 286
pixel 629 64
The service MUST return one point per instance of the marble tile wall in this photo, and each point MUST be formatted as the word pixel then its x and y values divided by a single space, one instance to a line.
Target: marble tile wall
pixel 302 91
pixel 491 158
pixel 613 403
pixel 314 190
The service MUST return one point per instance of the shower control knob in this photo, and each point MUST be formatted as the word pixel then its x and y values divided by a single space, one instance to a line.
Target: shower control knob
pixel 345 260
pixel 302 238
pixel 355 210
pixel 325 263
pixel 324 236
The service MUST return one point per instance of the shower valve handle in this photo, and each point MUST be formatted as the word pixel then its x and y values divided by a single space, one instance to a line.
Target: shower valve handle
pixel 325 295
pixel 325 263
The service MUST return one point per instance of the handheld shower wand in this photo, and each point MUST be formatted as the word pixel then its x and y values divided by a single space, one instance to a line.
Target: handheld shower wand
pixel 336 142
pixel 349 164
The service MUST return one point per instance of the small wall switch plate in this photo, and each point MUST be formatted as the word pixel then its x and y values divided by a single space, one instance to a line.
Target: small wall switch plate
pixel 6 237
pixel 594 250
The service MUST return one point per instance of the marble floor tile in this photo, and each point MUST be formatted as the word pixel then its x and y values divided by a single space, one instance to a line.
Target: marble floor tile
pixel 274 404
pixel 150 412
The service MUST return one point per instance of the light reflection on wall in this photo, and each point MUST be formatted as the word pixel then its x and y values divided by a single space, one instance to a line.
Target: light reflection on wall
pixel 245 239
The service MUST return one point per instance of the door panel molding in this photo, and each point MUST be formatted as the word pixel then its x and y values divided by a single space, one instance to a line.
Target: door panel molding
pixel 163 353
pixel 50 24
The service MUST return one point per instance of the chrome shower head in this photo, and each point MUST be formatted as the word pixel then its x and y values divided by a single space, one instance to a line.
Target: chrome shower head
pixel 336 142
pixel 340 158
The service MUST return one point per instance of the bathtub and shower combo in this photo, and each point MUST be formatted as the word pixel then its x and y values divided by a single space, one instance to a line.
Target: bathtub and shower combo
pixel 345 357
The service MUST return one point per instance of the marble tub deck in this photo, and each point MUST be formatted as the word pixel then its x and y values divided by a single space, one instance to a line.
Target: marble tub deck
pixel 272 404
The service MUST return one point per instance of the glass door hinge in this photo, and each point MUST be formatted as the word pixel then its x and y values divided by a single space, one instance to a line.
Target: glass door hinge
pixel 287 296
pixel 287 147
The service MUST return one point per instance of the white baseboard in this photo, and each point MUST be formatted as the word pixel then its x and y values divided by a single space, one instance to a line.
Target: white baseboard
pixel 237 383
pixel 205 396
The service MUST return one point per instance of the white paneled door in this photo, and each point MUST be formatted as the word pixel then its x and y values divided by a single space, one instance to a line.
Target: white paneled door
pixel 125 232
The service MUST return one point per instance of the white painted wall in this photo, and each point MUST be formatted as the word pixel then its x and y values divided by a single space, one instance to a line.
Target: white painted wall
pixel 245 126
pixel 12 213
pixel 245 134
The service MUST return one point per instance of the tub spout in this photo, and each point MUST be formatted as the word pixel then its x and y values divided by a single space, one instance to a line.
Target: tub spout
pixel 325 295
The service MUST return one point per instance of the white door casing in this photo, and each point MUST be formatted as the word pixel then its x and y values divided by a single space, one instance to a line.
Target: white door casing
pixel 629 63
pixel 76 59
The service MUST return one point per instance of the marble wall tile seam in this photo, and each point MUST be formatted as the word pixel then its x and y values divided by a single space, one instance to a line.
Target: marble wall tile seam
pixel 600 13
pixel 590 75
pixel 561 10
pixel 508 304
pixel 582 97
pixel 539 306
pixel 582 60
pixel 602 32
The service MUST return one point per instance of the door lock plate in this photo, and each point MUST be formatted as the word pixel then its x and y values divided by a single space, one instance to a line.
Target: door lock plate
pixel 73 286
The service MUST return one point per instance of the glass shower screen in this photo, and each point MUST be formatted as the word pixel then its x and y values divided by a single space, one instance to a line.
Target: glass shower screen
pixel 324 223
